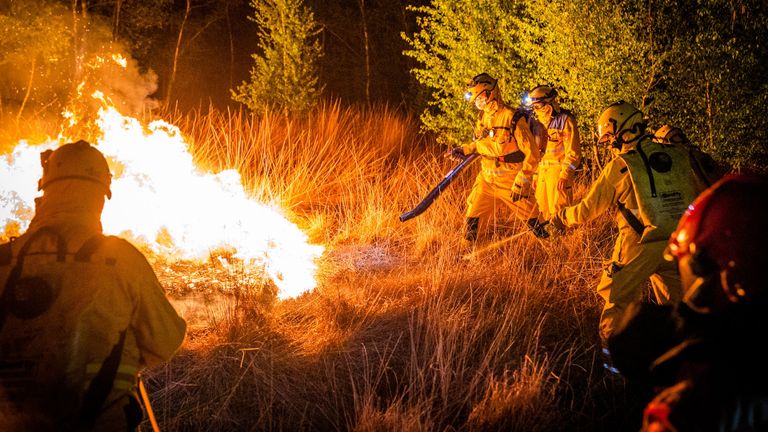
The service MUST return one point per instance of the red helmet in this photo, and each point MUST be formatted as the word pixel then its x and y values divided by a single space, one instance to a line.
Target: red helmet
pixel 721 242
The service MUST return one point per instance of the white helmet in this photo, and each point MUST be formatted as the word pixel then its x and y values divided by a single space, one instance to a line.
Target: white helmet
pixel 77 160
pixel 621 123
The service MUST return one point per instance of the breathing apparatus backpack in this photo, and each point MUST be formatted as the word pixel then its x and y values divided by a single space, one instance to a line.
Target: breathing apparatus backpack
pixel 41 330
pixel 664 186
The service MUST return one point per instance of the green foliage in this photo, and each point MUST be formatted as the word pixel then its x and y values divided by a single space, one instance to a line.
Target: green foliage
pixel 285 73
pixel 593 52
pixel 35 51
pixel 140 23
pixel 458 40
pixel 698 65
pixel 717 80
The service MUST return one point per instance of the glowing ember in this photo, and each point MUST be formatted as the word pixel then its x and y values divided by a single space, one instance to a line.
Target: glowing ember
pixel 162 200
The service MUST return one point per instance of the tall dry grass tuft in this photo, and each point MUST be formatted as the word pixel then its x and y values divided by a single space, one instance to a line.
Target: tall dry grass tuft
pixel 401 334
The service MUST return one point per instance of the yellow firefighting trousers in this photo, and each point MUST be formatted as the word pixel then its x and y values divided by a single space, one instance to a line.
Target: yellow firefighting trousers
pixel 487 195
pixel 624 278
pixel 549 199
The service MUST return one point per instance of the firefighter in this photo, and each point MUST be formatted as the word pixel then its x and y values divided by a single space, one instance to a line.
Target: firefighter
pixel 509 159
pixel 80 313
pixel 706 168
pixel 651 186
pixel 713 376
pixel 561 155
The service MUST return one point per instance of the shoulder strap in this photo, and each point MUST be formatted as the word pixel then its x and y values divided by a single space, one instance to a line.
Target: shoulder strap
pixel 15 273
pixel 6 253
pixel 89 247
pixel 648 169
pixel 519 113
pixel 100 386
pixel 631 219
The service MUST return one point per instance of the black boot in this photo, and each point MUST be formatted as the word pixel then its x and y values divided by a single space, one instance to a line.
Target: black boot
pixel 537 228
pixel 472 226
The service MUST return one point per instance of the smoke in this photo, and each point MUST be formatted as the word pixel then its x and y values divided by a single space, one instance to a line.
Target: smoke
pixel 108 70
pixel 52 60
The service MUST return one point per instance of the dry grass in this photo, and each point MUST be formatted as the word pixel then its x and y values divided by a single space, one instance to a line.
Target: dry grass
pixel 401 334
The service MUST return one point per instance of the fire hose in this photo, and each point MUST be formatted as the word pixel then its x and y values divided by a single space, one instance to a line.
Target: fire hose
pixel 437 190
pixel 147 406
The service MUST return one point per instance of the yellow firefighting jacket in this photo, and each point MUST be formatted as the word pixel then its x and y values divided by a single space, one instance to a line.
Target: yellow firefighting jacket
pixel 563 146
pixel 504 140
pixel 69 297
pixel 612 187
pixel 650 184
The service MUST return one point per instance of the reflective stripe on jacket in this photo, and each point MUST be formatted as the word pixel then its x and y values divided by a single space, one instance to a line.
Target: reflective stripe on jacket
pixel 563 144
pixel 502 140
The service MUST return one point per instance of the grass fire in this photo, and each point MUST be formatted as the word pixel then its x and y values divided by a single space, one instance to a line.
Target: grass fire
pixel 398 332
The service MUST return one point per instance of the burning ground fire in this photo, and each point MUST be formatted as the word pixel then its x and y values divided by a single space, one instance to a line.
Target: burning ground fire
pixel 162 200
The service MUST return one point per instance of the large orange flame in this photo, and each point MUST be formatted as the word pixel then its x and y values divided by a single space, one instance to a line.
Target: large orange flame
pixel 161 199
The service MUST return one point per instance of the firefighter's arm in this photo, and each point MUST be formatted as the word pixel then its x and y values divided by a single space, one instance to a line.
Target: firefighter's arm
pixel 572 144
pixel 158 327
pixel 523 186
pixel 601 196
pixel 528 146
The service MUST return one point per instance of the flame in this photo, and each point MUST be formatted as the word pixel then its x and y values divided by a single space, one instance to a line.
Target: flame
pixel 120 60
pixel 161 199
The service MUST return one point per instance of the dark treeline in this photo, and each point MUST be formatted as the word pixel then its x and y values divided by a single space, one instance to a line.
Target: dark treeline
pixel 701 65
pixel 198 49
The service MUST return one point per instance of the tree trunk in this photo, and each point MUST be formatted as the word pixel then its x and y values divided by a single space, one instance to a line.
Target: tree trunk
pixel 29 88
pixel 116 19
pixel 361 3
pixel 710 121
pixel 174 67
pixel 231 48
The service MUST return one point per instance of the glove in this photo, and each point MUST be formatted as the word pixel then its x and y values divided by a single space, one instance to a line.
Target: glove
pixel 521 188
pixel 456 153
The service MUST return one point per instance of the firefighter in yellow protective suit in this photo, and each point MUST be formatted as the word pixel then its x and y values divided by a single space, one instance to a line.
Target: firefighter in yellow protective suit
pixel 508 161
pixel 80 313
pixel 562 154
pixel 651 185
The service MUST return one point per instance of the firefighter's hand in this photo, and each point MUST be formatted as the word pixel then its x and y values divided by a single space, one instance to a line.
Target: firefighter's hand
pixel 519 191
pixel 456 153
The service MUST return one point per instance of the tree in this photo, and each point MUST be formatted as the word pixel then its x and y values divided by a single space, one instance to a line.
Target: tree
pixel 285 73
pixel 457 40
pixel 35 41
pixel 699 65
pixel 594 52
pixel 717 76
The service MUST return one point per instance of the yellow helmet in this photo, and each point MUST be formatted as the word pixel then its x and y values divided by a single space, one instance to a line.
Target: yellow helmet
pixel 668 134
pixel 621 123
pixel 77 160
pixel 482 83
pixel 540 95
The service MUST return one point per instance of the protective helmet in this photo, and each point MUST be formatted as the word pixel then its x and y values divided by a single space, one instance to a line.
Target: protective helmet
pixel 621 123
pixel 540 96
pixel 720 241
pixel 77 160
pixel 482 83
pixel 669 135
